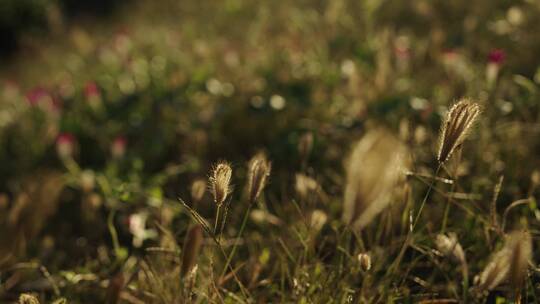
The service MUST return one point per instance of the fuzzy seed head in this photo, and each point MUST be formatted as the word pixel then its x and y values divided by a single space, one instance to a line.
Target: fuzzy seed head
pixel 520 245
pixel 26 298
pixel 198 188
pixel 374 169
pixel 456 126
pixel 220 182
pixel 495 272
pixel 305 185
pixel 365 261
pixel 450 247
pixel 510 262
pixel 318 219
pixel 259 170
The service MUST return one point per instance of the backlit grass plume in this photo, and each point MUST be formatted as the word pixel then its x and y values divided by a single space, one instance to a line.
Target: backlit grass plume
pixel 259 170
pixel 457 124
pixel 450 247
pixel 220 182
pixel 28 299
pixel 521 245
pixel 509 263
pixel 374 168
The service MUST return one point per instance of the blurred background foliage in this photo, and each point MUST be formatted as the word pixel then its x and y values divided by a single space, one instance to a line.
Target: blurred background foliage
pixel 121 105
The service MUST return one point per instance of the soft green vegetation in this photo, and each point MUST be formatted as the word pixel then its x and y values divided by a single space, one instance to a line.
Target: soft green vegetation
pixel 110 130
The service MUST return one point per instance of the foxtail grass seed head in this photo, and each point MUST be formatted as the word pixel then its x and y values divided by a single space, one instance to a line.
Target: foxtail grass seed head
pixel 510 262
pixel 365 261
pixel 262 217
pixel 317 221
pixel 220 182
pixel 26 298
pixel 198 188
pixel 520 245
pixel 456 126
pixel 305 185
pixel 448 245
pixel 259 170
pixel 377 164
pixel 192 246
pixel 495 272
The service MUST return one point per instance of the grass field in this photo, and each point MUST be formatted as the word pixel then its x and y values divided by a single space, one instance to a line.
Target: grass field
pixel 276 152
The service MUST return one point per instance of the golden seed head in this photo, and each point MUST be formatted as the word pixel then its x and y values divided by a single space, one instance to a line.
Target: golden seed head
pixel 304 185
pixel 450 247
pixel 198 188
pixel 317 220
pixel 520 245
pixel 495 271
pixel 374 169
pixel 26 298
pixel 365 261
pixel 259 170
pixel 220 182
pixel 510 262
pixel 457 124
pixel 192 246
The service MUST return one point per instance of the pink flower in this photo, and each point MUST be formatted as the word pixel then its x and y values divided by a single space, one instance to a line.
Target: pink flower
pixel 118 147
pixel 37 95
pixel 450 55
pixel 91 90
pixel 497 56
pixel 65 145
pixel 402 52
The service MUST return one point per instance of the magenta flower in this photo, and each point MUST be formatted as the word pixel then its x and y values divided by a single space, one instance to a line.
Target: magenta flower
pixel 36 95
pixel 65 145
pixel 497 56
pixel 91 90
pixel 118 147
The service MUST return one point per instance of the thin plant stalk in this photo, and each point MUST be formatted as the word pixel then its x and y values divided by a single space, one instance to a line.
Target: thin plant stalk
pixel 428 192
pixel 454 177
pixel 233 251
pixel 199 219
pixel 217 219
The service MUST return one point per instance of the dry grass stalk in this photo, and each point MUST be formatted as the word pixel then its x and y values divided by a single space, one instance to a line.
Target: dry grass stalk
pixel 192 246
pixel 376 165
pixel 21 223
pixel 508 263
pixel 457 124
pixel 305 145
pixel 220 182
pixel 259 170
pixel 116 284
